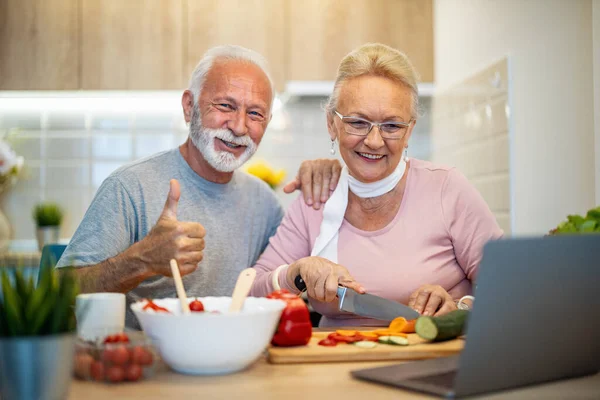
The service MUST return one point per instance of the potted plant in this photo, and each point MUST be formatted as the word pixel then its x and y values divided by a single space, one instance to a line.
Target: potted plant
pixel 48 217
pixel 590 223
pixel 37 335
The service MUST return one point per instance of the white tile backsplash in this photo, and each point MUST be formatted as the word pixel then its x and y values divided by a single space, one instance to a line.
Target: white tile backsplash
pixel 66 121
pixel 67 175
pixel 67 148
pixel 470 131
pixel 112 146
pixel 155 122
pixel 31 177
pixel 28 144
pixel 18 207
pixel 22 120
pixel 116 121
pixel 148 143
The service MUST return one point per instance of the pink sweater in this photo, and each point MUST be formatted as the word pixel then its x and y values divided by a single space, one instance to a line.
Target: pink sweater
pixel 436 238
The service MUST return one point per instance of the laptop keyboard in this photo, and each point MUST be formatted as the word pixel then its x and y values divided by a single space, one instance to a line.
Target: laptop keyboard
pixel 445 379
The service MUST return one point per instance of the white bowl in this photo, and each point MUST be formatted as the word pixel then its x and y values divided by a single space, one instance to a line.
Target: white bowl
pixel 211 344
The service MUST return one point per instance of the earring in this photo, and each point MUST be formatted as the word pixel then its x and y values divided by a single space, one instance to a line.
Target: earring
pixel 332 151
pixel 406 159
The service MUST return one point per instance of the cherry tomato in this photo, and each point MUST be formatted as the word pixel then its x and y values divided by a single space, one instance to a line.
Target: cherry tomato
pixel 83 363
pixel 196 305
pixel 133 372
pixel 122 338
pixel 109 339
pixel 119 355
pixel 115 374
pixel 117 338
pixel 97 370
pixel 107 354
pixel 141 356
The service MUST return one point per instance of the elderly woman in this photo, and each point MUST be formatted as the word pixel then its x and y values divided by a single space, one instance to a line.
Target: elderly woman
pixel 407 230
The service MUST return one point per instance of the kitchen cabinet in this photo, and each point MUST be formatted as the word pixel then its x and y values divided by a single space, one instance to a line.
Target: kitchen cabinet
pixel 39 44
pixel 256 24
pixel 133 44
pixel 155 45
pixel 321 32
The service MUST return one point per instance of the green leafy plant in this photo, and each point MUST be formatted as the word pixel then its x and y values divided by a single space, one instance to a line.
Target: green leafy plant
pixel 47 214
pixel 580 224
pixel 45 309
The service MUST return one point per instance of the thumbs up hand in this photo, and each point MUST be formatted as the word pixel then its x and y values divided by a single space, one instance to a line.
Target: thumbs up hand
pixel 170 238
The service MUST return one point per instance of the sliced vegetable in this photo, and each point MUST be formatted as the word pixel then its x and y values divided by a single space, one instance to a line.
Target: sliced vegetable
pixel 328 342
pixel 384 339
pixel 150 305
pixel 397 324
pixel 387 332
pixel 394 340
pixel 345 333
pixel 410 326
pixel 398 341
pixel 445 327
pixel 367 334
pixel 365 344
pixel 362 338
pixel 341 338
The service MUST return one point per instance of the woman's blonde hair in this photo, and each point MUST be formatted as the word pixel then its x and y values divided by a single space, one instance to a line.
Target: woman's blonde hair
pixel 376 59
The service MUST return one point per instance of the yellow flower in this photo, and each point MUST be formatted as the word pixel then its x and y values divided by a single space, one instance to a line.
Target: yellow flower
pixel 262 170
pixel 276 177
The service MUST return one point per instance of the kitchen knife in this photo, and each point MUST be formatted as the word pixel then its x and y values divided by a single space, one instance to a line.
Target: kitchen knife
pixel 367 305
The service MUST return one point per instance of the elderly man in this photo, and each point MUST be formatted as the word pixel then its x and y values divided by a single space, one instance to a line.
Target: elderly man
pixel 215 220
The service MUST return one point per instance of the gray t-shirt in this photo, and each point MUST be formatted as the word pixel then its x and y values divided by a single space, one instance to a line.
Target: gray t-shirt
pixel 239 218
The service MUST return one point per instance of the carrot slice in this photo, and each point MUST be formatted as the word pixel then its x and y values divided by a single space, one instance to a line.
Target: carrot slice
pixel 410 326
pixel 345 333
pixel 397 324
pixel 387 332
pixel 370 334
pixel 400 334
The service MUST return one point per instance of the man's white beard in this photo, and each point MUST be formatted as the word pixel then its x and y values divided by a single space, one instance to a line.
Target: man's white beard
pixel 204 140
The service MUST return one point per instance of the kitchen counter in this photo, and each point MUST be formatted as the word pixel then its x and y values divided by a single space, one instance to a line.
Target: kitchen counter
pixel 300 381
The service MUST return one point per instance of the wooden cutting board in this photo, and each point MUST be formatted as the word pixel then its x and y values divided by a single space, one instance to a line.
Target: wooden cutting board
pixel 418 349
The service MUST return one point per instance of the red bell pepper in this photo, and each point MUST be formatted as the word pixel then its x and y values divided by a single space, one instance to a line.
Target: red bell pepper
pixel 295 328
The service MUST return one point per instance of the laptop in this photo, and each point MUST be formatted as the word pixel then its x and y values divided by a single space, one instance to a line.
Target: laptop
pixel 536 319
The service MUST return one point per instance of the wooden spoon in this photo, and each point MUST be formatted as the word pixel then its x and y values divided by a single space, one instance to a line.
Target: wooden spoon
pixel 242 288
pixel 185 307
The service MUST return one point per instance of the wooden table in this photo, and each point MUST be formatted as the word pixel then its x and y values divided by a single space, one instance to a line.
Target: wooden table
pixel 299 381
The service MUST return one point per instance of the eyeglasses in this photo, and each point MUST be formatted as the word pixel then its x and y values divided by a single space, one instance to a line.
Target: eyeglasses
pixel 361 127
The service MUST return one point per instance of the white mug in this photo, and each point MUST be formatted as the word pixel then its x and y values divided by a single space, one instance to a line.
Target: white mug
pixel 99 314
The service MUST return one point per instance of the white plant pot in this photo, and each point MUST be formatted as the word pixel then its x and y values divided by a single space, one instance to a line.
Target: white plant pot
pixel 46 235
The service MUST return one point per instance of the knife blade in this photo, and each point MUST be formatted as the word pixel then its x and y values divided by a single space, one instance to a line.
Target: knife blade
pixel 368 305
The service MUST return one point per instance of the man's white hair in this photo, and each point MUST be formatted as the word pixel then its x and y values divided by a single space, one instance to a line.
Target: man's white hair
pixel 226 52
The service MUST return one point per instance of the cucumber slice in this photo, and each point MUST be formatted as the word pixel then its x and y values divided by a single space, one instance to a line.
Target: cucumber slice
pixel 365 344
pixel 446 327
pixel 384 339
pixel 398 341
